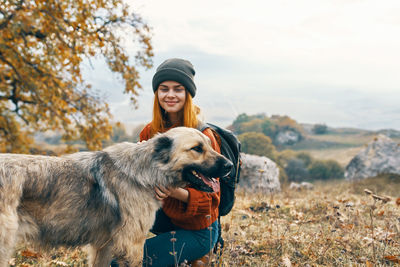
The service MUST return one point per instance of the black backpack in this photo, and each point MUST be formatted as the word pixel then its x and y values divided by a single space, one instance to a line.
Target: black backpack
pixel 230 148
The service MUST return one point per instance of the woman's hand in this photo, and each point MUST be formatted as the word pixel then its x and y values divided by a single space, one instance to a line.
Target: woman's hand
pixel 161 192
pixel 178 193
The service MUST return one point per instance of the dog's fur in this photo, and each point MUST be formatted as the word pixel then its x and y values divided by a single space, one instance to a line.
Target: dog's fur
pixel 103 199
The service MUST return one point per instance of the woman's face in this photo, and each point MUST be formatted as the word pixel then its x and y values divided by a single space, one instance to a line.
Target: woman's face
pixel 171 96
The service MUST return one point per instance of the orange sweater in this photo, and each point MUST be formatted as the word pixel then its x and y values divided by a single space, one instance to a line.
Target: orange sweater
pixel 202 208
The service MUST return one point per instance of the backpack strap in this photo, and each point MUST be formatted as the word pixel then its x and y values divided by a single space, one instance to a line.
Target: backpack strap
pixel 203 125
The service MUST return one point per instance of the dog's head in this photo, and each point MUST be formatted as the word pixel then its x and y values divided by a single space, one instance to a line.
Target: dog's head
pixel 188 153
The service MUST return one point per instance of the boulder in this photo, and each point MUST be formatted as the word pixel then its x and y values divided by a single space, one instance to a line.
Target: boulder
pixel 382 155
pixel 295 186
pixel 301 186
pixel 259 174
pixel 307 185
pixel 287 137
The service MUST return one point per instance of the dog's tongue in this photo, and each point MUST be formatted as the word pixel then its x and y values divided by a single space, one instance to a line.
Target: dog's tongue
pixel 213 183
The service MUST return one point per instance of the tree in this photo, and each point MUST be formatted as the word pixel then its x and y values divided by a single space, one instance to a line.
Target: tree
pixel 283 123
pixel 236 125
pixel 268 128
pixel 320 128
pixel 273 126
pixel 257 144
pixel 42 44
pixel 251 126
pixel 244 123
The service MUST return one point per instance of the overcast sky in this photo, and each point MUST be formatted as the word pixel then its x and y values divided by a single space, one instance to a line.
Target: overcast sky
pixel 318 61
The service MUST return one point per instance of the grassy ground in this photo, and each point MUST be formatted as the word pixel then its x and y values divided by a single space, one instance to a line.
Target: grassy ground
pixel 342 155
pixel 336 224
pixel 335 139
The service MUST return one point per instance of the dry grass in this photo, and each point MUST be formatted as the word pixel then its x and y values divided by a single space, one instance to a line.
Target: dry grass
pixel 349 139
pixel 336 224
pixel 333 225
pixel 26 256
pixel 341 155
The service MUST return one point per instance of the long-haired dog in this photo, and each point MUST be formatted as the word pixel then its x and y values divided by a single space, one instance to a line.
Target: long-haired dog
pixel 103 199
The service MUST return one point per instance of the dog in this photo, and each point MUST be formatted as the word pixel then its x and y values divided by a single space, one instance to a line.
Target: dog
pixel 104 200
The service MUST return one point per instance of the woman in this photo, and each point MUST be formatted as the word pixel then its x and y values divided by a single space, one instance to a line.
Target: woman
pixel 186 226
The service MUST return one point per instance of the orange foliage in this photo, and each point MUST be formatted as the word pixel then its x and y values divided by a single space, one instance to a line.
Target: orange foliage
pixel 395 259
pixel 29 254
pixel 42 44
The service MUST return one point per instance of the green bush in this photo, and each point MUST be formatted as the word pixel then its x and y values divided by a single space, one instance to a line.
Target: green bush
pixel 245 123
pixel 283 157
pixel 305 157
pixel 251 126
pixel 268 127
pixel 296 170
pixel 302 166
pixel 325 169
pixel 257 144
pixel 320 129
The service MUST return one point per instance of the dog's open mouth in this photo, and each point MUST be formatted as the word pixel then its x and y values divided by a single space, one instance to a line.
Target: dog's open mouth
pixel 201 181
pixel 211 182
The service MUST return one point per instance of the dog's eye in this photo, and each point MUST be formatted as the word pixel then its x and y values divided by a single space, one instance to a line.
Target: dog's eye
pixel 198 149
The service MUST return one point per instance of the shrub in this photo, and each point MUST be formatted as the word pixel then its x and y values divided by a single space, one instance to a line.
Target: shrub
pixel 324 170
pixel 305 157
pixel 257 144
pixel 251 126
pixel 236 125
pixel 268 127
pixel 320 129
pixel 296 170
pixel 283 157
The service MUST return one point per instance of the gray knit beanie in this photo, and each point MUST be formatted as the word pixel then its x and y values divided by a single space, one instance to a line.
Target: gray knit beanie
pixel 178 70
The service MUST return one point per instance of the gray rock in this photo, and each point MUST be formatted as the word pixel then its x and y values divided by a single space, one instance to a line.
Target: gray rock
pixel 259 174
pixel 301 186
pixel 295 186
pixel 287 137
pixel 382 155
pixel 307 185
pixel 389 133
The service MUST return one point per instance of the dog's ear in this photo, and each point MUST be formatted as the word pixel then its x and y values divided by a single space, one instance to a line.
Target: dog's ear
pixel 162 149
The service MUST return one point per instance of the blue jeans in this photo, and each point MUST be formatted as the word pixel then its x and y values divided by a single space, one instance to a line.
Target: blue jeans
pixel 173 245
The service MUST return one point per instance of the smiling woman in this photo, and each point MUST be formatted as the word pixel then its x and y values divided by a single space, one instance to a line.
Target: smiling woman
pixel 171 96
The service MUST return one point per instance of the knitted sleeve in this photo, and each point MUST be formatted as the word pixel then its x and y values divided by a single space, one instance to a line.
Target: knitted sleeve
pixel 145 133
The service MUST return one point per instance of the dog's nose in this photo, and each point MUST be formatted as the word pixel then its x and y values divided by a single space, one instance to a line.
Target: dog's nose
pixel 227 166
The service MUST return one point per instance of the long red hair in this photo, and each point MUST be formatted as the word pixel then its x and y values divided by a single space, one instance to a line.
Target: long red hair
pixel 160 120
